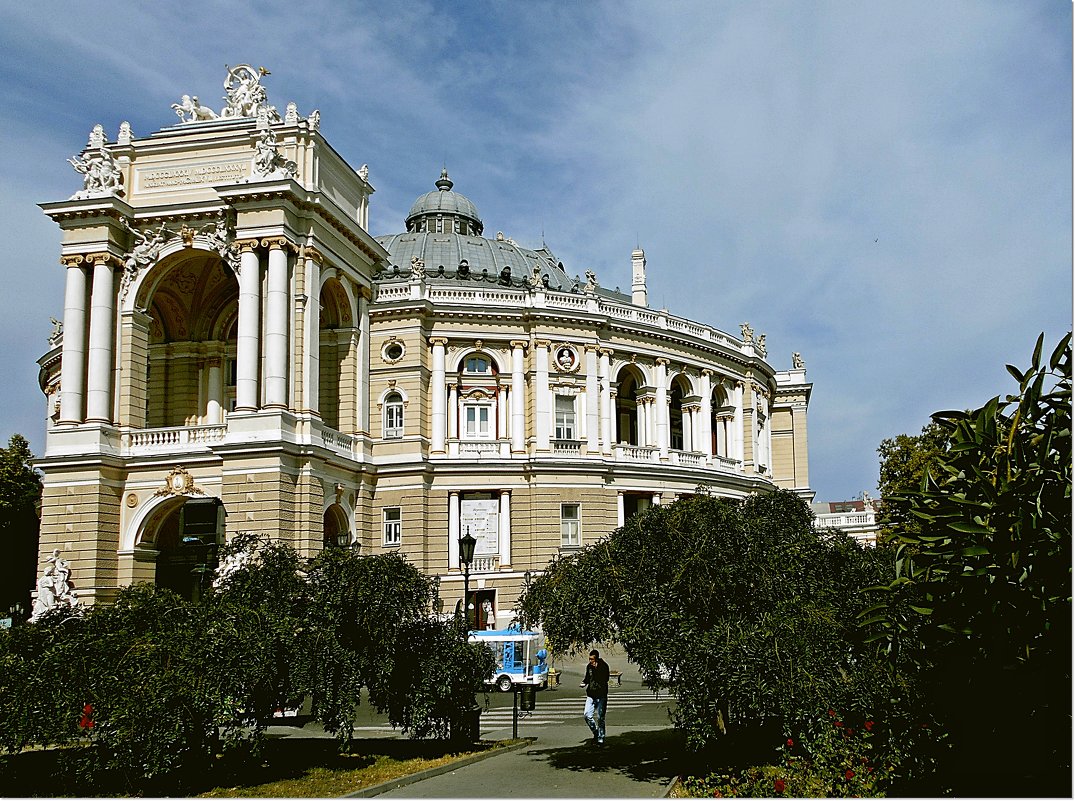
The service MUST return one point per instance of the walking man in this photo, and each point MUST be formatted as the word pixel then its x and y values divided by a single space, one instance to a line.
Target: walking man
pixel 596 683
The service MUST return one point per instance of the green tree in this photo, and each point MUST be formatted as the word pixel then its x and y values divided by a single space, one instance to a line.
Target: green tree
pixel 20 502
pixel 905 459
pixel 742 608
pixel 982 599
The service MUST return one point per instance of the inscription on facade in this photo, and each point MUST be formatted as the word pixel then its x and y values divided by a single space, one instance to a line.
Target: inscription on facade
pixel 194 174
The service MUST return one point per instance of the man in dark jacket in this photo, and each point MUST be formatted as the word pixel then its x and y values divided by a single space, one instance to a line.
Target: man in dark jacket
pixel 596 683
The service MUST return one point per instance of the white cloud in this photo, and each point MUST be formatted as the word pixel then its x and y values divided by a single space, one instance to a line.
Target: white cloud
pixel 885 188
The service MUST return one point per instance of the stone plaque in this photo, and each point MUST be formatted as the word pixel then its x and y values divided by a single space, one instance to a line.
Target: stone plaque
pixel 156 179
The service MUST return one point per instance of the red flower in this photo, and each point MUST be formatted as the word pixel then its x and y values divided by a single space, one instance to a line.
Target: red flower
pixel 849 774
pixel 86 721
pixel 778 786
pixel 832 713
pixel 791 742
pixel 869 725
pixel 838 723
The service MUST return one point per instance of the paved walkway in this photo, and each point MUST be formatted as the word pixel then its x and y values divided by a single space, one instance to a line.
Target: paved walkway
pixel 636 761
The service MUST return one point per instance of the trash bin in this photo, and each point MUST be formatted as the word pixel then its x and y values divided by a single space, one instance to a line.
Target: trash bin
pixel 467 727
pixel 527 697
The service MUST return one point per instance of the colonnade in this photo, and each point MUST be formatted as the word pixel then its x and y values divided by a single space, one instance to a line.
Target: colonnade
pixel 264 350
pixel 595 406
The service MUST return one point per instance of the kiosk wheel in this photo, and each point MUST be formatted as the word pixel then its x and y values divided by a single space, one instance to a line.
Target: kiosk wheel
pixel 504 684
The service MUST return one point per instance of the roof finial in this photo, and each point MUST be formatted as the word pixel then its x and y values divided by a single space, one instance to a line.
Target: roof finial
pixel 444 184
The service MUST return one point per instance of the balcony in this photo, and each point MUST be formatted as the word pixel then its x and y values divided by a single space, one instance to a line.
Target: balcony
pixel 636 453
pixel 149 441
pixel 485 564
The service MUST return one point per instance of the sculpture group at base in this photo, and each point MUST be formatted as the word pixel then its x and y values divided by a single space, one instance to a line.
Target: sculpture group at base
pixel 54 587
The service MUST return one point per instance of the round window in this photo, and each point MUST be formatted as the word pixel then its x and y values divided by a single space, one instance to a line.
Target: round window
pixel 392 351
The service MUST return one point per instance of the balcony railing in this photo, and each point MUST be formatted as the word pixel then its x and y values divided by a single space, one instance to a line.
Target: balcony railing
pixel 485 564
pixel 155 440
pixel 636 453
pixel 567 447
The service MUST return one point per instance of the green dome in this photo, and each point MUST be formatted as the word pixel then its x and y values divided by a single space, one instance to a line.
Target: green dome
pixel 445 203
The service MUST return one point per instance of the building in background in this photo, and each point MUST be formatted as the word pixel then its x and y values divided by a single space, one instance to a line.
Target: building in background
pixel 238 353
pixel 857 518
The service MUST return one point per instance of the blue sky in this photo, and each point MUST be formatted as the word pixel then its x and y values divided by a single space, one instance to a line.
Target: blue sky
pixel 883 187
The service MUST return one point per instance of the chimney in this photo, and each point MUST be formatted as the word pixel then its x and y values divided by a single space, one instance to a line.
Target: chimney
pixel 638 277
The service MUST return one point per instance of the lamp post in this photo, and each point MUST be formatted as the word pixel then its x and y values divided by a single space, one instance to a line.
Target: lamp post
pixel 466 556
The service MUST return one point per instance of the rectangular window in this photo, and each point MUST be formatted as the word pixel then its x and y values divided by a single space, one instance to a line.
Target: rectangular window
pixel 570 536
pixel 565 417
pixel 476 420
pixel 393 420
pixel 393 525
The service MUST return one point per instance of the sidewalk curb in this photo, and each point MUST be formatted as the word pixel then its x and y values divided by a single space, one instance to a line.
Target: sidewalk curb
pixel 429 773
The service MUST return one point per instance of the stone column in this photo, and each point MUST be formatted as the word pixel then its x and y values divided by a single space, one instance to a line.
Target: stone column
pixel 593 402
pixel 453 530
pixel 248 335
pixel 311 334
pixel 436 402
pixel 662 407
pixel 102 335
pixel 518 397
pixel 363 381
pixel 453 411
pixel 215 400
pixel 619 510
pixel 608 405
pixel 689 419
pixel 505 527
pixel 134 360
pixel 705 420
pixel 737 434
pixel 542 398
pixel 276 324
pixel 73 375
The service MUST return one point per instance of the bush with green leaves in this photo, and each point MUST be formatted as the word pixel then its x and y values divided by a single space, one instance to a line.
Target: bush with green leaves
pixel 980 609
pixel 742 608
pixel 156 687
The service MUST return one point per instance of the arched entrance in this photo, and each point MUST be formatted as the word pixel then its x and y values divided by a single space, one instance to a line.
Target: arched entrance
pixel 186 535
pixel 336 532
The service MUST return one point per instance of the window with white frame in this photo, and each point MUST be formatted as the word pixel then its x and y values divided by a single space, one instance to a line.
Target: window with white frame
pixel 477 421
pixel 393 525
pixel 393 416
pixel 565 417
pixel 570 536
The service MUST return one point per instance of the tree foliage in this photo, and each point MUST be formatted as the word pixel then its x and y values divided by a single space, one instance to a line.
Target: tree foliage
pixel 20 500
pixel 743 608
pixel 157 686
pixel 981 605
pixel 905 460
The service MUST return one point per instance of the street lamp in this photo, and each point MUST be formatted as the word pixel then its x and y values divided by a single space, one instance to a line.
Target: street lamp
pixel 466 556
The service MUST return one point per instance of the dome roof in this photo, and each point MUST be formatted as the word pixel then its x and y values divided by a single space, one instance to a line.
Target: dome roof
pixel 444 201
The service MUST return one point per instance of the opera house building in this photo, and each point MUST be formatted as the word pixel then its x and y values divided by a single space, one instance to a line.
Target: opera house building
pixel 238 353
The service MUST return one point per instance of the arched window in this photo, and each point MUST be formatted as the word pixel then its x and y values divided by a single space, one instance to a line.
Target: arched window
pixel 393 416
pixel 476 365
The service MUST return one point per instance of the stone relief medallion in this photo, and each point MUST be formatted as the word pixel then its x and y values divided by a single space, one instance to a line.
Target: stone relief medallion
pixel 566 358
pixel 178 482
pixel 132 500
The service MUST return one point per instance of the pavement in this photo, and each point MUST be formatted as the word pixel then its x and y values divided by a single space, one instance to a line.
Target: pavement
pixel 638 760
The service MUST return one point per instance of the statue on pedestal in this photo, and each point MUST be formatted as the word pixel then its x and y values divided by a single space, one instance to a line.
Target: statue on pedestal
pixel 101 175
pixel 54 587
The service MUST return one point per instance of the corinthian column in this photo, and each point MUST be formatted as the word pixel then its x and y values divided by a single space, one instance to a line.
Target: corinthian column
pixel 436 395
pixel 608 405
pixel 73 369
pixel 518 397
pixel 102 336
pixel 276 323
pixel 542 397
pixel 661 407
pixel 247 338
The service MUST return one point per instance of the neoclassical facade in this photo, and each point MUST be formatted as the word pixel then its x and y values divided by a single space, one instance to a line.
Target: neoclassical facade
pixel 238 353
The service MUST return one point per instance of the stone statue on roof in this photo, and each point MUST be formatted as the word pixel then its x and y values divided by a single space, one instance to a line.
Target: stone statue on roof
pixel 101 176
pixel 246 96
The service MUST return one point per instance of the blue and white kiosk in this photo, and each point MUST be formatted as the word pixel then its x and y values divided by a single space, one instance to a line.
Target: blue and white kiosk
pixel 521 657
